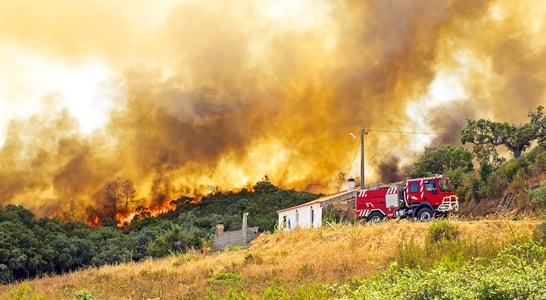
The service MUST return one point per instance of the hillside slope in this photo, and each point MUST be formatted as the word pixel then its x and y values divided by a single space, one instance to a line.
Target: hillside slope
pixel 288 259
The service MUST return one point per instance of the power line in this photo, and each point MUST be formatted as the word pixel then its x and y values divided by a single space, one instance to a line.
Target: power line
pixel 404 132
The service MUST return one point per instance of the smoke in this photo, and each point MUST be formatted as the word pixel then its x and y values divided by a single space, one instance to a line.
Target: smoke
pixel 222 94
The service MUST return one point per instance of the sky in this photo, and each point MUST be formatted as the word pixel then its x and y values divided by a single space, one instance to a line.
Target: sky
pixel 183 97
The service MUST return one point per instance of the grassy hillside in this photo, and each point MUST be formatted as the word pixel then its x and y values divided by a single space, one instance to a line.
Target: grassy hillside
pixel 282 264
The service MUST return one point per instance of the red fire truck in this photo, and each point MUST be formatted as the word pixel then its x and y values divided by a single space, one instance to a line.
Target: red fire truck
pixel 421 198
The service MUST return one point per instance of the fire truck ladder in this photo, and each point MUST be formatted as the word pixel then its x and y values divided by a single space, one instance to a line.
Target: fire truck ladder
pixel 504 203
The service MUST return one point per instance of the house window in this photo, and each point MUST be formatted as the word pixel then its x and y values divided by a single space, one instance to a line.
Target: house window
pixel 312 216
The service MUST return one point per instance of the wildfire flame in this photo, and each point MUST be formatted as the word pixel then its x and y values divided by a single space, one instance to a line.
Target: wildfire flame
pixel 127 218
pixel 94 222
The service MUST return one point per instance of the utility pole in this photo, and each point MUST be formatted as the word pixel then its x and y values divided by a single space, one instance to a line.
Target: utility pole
pixel 362 174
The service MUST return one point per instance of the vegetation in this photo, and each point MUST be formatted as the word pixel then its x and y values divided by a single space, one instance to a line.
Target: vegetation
pixel 32 247
pixel 506 276
pixel 486 133
pixel 493 180
pixel 343 262
pixel 446 159
pixel 538 195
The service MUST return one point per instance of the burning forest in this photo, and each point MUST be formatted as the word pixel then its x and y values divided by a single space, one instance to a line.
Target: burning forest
pixel 143 104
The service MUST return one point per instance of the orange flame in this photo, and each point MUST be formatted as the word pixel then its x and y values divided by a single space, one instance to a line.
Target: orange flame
pixel 125 219
pixel 93 222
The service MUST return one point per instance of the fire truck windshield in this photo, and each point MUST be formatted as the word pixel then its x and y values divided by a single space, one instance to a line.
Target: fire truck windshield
pixel 445 185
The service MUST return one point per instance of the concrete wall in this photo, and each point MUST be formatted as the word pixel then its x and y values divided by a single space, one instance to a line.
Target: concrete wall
pixel 241 237
pixel 234 238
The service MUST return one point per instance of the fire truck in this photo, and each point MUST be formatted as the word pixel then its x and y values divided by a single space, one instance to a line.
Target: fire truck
pixel 420 198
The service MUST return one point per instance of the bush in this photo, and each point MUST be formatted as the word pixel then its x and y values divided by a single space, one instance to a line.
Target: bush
pixel 83 295
pixel 538 195
pixel 227 279
pixel 24 292
pixel 506 277
pixel 441 230
pixel 410 255
pixel 513 166
pixel 496 185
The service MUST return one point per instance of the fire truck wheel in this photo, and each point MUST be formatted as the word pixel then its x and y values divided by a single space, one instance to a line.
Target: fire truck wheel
pixel 375 217
pixel 425 214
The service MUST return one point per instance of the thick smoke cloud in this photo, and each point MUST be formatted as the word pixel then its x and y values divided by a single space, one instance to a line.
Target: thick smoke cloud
pixel 221 95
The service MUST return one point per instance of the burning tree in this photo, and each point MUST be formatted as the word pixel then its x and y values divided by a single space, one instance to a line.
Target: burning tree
pixel 120 189
pixel 128 192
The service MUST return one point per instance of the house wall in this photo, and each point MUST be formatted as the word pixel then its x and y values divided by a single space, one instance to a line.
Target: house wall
pixel 301 217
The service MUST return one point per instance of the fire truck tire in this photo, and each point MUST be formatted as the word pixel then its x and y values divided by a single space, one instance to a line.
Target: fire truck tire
pixel 425 214
pixel 375 217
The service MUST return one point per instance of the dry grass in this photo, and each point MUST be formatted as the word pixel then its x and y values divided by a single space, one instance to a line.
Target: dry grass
pixel 287 259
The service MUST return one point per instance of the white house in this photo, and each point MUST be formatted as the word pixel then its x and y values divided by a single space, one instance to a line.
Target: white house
pixel 310 214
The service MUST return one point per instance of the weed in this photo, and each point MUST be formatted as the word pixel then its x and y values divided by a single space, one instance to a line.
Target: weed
pixel 253 259
pixel 345 269
pixel 410 255
pixel 540 232
pixel 186 258
pixel 306 271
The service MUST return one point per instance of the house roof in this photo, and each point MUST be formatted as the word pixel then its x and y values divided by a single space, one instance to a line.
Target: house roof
pixel 325 200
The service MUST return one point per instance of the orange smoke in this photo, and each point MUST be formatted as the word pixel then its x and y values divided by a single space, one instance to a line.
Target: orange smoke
pixel 212 96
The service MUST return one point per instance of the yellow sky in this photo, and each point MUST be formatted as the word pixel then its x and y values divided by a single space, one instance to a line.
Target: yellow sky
pixel 182 95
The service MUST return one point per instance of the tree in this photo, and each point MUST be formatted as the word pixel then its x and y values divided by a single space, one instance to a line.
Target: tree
pixel 264 186
pixel 128 192
pixel 442 160
pixel 174 240
pixel 120 189
pixel 516 138
pixel 16 213
pixel 112 196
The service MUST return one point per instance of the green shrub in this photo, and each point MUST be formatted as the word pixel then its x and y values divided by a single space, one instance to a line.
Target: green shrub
pixel 513 166
pixel 225 279
pixel 24 292
pixel 496 185
pixel 538 195
pixel 84 295
pixel 410 255
pixel 274 293
pixel 507 276
pixel 441 230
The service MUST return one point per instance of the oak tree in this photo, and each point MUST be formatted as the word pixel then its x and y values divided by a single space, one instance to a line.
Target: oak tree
pixel 487 134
